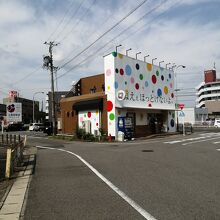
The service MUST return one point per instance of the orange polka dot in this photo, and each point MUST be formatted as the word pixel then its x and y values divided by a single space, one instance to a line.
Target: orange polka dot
pixel 166 90
pixel 120 56
pixel 149 66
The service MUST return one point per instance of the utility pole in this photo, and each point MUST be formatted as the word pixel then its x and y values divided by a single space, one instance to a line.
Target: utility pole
pixel 48 62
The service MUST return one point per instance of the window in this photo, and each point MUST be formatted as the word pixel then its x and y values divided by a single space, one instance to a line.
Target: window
pixel 68 114
pixel 72 113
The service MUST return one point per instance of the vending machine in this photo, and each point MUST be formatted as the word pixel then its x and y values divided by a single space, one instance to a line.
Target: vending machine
pixel 125 125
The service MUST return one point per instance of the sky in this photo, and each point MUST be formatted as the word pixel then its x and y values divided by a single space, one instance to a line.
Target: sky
pixel 182 32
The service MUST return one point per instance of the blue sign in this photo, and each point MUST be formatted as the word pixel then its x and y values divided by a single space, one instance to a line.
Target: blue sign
pixel 181 114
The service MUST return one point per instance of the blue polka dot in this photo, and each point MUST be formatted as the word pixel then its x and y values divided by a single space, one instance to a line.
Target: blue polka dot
pixel 128 70
pixel 159 92
pixel 146 83
pixel 116 85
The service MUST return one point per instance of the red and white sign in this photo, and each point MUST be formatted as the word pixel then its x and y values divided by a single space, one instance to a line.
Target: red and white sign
pixel 181 106
pixel 13 94
pixel 14 112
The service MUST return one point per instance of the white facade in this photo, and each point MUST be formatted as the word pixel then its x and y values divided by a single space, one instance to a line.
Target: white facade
pixel 194 116
pixel 89 121
pixel 134 85
pixel 207 92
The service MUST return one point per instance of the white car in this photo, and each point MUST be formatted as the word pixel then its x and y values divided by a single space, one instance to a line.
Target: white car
pixel 217 123
pixel 36 127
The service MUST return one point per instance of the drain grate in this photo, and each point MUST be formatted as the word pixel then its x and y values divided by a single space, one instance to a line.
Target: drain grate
pixel 147 151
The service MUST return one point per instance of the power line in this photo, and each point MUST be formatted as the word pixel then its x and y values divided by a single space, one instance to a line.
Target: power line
pixel 143 26
pixel 106 32
pixel 69 20
pixel 101 25
pixel 79 20
pixel 61 21
pixel 28 75
pixel 149 12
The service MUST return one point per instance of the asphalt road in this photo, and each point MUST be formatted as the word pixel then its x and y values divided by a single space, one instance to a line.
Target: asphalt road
pixel 170 178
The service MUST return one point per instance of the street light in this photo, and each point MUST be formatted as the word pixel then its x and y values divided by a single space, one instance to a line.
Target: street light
pixel 167 65
pixel 127 51
pixel 177 90
pixel 153 60
pixel 146 57
pixel 116 48
pixel 33 102
pixel 160 62
pixel 137 54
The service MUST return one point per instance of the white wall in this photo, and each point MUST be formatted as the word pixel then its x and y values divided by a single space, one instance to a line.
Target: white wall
pixel 93 116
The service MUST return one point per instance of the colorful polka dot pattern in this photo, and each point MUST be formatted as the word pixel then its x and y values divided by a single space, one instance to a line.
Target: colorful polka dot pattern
pixel 145 85
pixel 92 116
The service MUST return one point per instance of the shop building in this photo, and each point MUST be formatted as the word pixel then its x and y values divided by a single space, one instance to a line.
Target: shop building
pixel 131 96
pixel 208 94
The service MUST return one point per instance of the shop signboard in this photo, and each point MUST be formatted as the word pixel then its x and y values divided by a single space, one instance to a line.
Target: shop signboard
pixel 14 112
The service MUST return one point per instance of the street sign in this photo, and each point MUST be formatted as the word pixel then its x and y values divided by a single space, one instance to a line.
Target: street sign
pixel 181 106
pixel 181 114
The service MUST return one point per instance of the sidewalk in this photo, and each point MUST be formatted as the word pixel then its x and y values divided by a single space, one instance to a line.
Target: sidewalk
pixel 13 192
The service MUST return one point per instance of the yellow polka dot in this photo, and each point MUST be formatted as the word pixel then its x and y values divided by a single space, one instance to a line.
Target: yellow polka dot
pixel 166 90
pixel 120 56
pixel 126 92
pixel 149 66
pixel 108 87
pixel 97 112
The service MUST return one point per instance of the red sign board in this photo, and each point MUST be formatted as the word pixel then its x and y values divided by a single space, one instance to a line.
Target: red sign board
pixel 181 106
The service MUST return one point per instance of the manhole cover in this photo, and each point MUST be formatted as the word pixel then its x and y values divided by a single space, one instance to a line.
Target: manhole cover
pixel 147 151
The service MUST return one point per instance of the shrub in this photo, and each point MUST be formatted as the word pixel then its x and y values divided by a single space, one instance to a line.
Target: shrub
pixel 80 133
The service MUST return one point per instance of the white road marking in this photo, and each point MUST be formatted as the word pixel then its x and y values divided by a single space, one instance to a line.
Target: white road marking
pixel 187 139
pixel 131 202
pixel 218 149
pixel 200 141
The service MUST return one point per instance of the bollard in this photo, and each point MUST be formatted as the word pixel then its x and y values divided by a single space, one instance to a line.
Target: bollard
pixel 10 138
pixel 6 138
pixel 25 140
pixel 8 164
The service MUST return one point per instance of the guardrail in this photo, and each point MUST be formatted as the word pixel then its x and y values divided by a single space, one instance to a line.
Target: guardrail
pixel 11 153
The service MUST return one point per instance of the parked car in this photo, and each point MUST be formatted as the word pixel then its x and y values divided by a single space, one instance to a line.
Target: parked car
pixel 14 127
pixel 36 127
pixel 217 123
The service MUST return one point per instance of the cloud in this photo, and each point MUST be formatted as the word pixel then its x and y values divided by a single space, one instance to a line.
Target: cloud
pixel 176 32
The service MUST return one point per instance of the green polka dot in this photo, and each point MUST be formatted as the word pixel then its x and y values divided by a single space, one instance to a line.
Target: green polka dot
pixel 173 115
pixel 157 73
pixel 114 54
pixel 84 115
pixel 111 116
pixel 141 76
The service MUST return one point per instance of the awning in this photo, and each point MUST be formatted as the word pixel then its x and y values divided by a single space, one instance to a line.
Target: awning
pixel 88 105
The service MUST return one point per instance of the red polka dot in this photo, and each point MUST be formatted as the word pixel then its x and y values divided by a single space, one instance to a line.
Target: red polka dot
pixel 121 72
pixel 109 106
pixel 137 86
pixel 149 105
pixel 97 124
pixel 89 114
pixel 172 95
pixel 154 79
